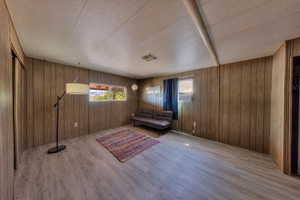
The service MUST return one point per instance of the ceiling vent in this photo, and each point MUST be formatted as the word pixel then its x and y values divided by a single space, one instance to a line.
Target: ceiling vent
pixel 149 57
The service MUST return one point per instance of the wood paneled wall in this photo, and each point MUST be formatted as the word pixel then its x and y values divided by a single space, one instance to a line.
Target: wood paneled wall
pixel 231 104
pixel 46 80
pixel 245 94
pixel 6 108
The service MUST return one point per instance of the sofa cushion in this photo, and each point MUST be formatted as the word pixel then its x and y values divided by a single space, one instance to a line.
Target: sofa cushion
pixel 162 123
pixel 146 113
pixel 163 115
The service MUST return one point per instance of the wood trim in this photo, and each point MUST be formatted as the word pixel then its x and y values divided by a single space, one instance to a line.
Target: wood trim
pixel 19 109
pixel 14 39
pixel 17 57
pixel 194 12
pixel 278 107
pixel 288 108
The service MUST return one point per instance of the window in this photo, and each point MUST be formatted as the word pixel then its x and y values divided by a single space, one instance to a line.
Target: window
pixel 185 89
pixel 104 92
pixel 151 95
pixel 153 90
pixel 118 93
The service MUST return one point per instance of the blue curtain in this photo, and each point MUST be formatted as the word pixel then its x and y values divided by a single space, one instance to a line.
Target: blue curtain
pixel 170 97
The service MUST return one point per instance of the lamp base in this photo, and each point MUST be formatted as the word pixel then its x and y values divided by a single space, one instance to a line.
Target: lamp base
pixel 56 149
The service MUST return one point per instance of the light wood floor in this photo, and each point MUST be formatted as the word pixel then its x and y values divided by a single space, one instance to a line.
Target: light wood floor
pixel 180 167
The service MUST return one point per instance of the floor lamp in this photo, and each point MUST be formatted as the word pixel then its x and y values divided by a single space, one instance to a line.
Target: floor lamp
pixel 71 89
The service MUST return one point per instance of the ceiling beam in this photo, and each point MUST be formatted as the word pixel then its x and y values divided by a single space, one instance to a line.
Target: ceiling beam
pixel 194 12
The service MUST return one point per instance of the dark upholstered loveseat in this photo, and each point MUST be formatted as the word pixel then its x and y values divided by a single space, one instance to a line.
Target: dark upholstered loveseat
pixel 160 120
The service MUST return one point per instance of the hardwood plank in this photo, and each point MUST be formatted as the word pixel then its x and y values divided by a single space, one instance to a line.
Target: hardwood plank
pixel 83 105
pixel 76 105
pixel 196 103
pixel 209 170
pixel 260 81
pixel 209 115
pixel 187 117
pixel 69 106
pixel 225 103
pixel 245 105
pixel 204 108
pixel 38 101
pixel 214 110
pixel 253 105
pixel 92 105
pixel 235 105
pixel 221 106
pixel 23 110
pixel 267 106
pixel 107 106
pixel 29 113
pixel 49 88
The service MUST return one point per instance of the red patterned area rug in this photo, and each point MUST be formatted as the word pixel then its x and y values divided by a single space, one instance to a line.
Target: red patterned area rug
pixel 126 144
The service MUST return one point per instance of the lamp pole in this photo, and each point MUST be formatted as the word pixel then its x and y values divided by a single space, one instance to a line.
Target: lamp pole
pixel 71 89
pixel 57 148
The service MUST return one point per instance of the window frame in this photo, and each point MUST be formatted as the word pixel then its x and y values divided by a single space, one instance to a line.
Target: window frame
pixel 110 86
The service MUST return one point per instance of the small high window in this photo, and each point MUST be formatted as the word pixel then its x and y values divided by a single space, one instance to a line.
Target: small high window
pixel 104 92
pixel 185 89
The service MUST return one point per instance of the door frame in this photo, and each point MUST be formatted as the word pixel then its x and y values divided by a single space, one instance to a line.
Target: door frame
pixel 18 108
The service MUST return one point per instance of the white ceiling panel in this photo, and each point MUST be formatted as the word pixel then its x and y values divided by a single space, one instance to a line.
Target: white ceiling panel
pixel 43 25
pixel 160 27
pixel 113 35
pixel 243 29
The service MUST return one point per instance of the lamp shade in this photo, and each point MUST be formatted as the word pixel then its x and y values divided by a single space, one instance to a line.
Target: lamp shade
pixel 77 89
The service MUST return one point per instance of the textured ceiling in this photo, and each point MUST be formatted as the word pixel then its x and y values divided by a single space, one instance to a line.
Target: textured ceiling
pixel 113 35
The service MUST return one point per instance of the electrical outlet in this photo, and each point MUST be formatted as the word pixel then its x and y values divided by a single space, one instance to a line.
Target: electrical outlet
pixel 76 124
